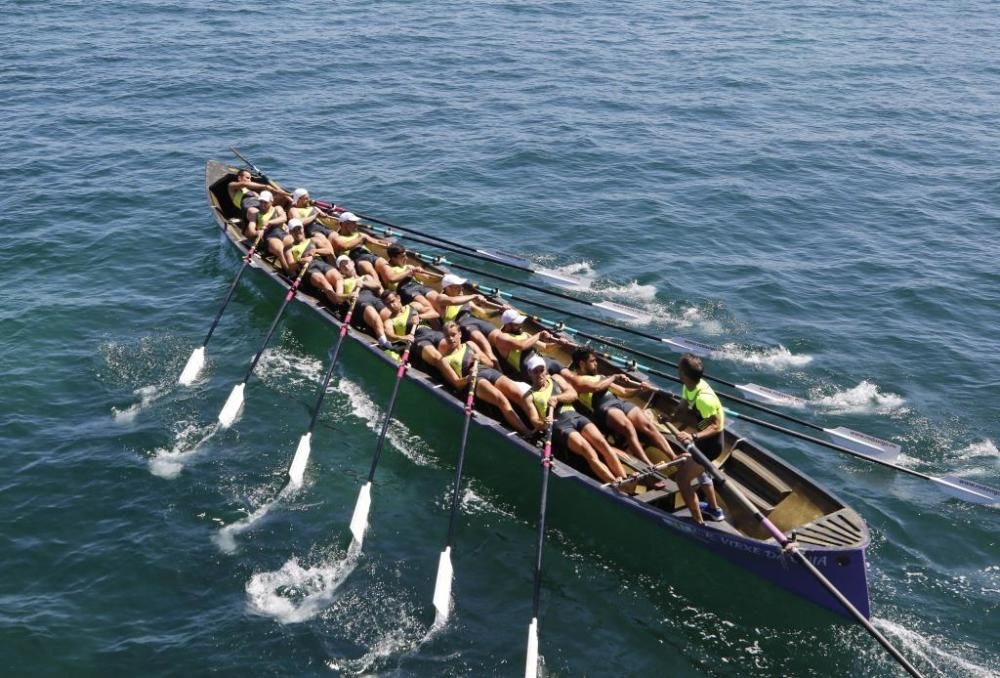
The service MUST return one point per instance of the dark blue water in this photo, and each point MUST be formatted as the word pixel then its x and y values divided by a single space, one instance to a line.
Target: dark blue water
pixel 810 186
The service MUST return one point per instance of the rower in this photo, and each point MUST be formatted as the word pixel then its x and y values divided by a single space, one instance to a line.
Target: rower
pixel 571 430
pixel 350 241
pixel 455 365
pixel 398 275
pixel 366 288
pixel 453 305
pixel 243 194
pixel 409 323
pixel 597 398
pixel 700 405
pixel 271 219
pixel 264 216
pixel 515 345
pixel 304 250
pixel 303 210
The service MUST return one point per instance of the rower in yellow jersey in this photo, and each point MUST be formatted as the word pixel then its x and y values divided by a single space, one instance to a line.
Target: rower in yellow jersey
pixel 409 323
pixel 303 250
pixel 350 241
pixel 303 210
pixel 368 307
pixel 515 346
pixel 453 304
pixel 398 275
pixel 243 192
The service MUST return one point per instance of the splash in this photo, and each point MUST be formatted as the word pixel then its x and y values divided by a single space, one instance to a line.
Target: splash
pixel 147 396
pixel 295 594
pixel 985 448
pixel 169 463
pixel 932 651
pixel 225 539
pixel 865 398
pixel 398 435
pixel 399 641
pixel 775 358
pixel 289 371
pixel 581 271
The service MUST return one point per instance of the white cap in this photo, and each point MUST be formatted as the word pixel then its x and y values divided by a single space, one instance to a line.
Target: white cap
pixel 512 317
pixel 533 363
pixel 342 258
pixel 294 223
pixel 265 196
pixel 348 216
pixel 451 279
pixel 298 193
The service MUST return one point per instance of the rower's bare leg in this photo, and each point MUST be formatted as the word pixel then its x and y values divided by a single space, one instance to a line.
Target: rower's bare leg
pixel 579 445
pixel 687 473
pixel 515 390
pixel 320 282
pixel 374 321
pixel 365 267
pixel 619 422
pixel 594 436
pixel 645 427
pixel 484 344
pixel 491 394
pixel 430 355
pixel 252 221
pixel 277 248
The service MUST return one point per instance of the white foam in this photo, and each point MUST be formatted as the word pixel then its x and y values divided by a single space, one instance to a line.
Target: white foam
pixel 775 358
pixel 398 435
pixel 863 398
pixel 581 271
pixel 633 292
pixel 399 641
pixel 295 594
pixel 289 371
pixel 225 538
pixel 472 502
pixel 930 650
pixel 147 396
pixel 984 448
pixel 168 463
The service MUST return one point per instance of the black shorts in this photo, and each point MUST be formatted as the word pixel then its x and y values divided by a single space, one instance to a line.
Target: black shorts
pixel 367 298
pixel 607 403
pixel 248 202
pixel 359 254
pixel 316 227
pixel 564 425
pixel 425 336
pixel 469 322
pixel 275 232
pixel 489 374
pixel 410 290
pixel 319 266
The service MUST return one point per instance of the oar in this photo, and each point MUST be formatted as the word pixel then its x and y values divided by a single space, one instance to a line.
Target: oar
pixel 235 400
pixel 617 310
pixel 961 488
pixel 256 170
pixel 791 547
pixel 862 442
pixel 197 359
pixel 531 661
pixel 298 467
pixel 508 260
pixel 442 585
pixel 359 520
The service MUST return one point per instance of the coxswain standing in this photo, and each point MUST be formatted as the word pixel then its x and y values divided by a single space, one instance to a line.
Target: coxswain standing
pixel 702 406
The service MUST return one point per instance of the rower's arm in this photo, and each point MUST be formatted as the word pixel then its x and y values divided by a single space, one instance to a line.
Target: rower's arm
pixel 510 343
pixel 568 394
pixel 449 374
pixel 371 283
pixel 484 360
pixel 537 423
pixel 425 313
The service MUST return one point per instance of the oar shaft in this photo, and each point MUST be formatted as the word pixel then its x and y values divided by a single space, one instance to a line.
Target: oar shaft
pixel 232 288
pixel 447 245
pixel 457 490
pixel 333 364
pixel 546 467
pixel 792 548
pixel 277 319
pixel 388 412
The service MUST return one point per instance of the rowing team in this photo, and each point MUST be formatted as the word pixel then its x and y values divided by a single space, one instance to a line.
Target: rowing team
pixel 383 295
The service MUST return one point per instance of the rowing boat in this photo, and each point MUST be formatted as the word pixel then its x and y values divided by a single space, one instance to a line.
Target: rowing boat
pixel 829 533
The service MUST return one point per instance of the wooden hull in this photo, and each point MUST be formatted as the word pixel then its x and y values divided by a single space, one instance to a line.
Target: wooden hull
pixel 830 534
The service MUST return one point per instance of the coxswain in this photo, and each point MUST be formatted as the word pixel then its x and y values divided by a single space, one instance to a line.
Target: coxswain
pixel 453 304
pixel 303 210
pixel 398 275
pixel 597 398
pixel 350 241
pixel 701 410
pixel 455 365
pixel 366 288
pixel 571 430
pixel 515 346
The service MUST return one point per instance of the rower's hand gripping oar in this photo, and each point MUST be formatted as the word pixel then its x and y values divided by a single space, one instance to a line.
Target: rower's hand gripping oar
pixel 298 467
pixel 442 585
pixel 197 359
pixel 234 402
pixel 503 258
pixel 359 520
pixel 792 548
pixel 531 659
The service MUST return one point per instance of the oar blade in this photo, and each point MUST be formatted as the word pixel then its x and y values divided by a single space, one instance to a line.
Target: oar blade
pixel 234 403
pixel 560 280
pixel 504 258
pixel 969 490
pixel 531 661
pixel 621 311
pixel 682 345
pixel 359 521
pixel 298 468
pixel 442 587
pixel 770 396
pixel 194 364
pixel 865 444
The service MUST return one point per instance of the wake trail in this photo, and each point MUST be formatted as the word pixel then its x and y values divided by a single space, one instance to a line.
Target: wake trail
pixel 169 463
pixel 225 538
pixel 147 396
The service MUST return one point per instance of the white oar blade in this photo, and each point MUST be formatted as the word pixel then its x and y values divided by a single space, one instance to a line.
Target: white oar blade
pixel 193 367
pixel 505 258
pixel 969 490
pixel 769 395
pixel 298 468
pixel 620 311
pixel 234 403
pixel 359 521
pixel 531 662
pixel 560 280
pixel 442 587
pixel 682 345
pixel 865 444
